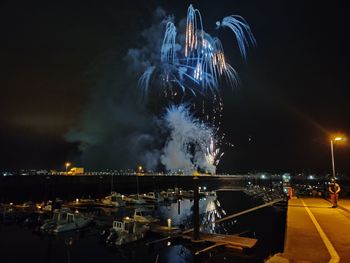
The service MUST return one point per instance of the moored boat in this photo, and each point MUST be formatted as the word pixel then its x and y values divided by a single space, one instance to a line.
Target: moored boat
pixel 65 220
pixel 134 200
pixel 153 197
pixel 144 216
pixel 113 200
pixel 126 231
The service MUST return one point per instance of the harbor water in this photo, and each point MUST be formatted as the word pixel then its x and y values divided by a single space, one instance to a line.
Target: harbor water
pixel 19 243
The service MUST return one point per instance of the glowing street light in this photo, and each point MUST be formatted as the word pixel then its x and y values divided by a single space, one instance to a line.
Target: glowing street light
pixel 67 165
pixel 333 140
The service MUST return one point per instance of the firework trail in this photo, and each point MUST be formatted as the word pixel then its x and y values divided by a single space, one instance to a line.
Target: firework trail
pixel 213 154
pixel 199 63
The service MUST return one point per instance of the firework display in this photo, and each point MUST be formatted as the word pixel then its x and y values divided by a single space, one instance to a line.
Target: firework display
pixel 193 63
pixel 198 63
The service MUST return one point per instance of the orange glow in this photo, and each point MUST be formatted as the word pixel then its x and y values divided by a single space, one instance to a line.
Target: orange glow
pixel 195 173
pixel 338 137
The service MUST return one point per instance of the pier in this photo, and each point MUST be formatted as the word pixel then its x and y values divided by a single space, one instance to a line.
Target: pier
pixel 316 232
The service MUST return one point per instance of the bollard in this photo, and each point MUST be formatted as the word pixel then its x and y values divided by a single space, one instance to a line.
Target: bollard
pixel 169 223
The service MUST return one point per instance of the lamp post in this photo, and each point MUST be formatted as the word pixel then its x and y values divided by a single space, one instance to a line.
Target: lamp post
pixel 333 140
pixel 140 170
pixel 67 165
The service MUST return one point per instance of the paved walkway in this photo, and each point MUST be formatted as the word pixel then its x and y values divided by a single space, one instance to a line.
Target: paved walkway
pixel 316 232
pixel 344 204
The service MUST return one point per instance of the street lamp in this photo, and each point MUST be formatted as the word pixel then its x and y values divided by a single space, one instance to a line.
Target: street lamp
pixel 67 165
pixel 333 140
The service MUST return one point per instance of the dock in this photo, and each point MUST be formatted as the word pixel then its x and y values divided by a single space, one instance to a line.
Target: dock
pixel 233 242
pixel 165 231
pixel 315 232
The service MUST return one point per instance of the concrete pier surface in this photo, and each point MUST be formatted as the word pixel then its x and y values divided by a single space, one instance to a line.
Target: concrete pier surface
pixel 344 204
pixel 316 232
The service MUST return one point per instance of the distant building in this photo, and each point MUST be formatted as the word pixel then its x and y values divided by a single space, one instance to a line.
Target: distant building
pixel 76 171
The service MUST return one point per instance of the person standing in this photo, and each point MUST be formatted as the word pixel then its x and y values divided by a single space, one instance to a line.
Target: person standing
pixel 334 190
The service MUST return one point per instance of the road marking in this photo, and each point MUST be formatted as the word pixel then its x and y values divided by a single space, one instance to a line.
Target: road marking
pixel 334 255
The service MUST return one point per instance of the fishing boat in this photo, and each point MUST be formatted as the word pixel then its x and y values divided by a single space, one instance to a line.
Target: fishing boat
pixel 65 220
pixel 153 197
pixel 126 231
pixel 144 216
pixel 58 215
pixel 73 221
pixel 134 200
pixel 114 200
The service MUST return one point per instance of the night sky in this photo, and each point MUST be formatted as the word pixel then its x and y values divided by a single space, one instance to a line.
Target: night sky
pixel 293 92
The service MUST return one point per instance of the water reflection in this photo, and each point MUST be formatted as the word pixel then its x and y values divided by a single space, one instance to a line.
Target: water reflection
pixel 67 239
pixel 175 254
pixel 181 212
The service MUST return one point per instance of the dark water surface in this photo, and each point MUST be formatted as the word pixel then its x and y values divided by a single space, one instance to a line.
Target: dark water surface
pixel 20 244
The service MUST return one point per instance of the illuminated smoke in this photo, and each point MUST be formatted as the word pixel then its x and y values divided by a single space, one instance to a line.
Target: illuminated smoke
pixel 117 131
pixel 185 150
pixel 194 63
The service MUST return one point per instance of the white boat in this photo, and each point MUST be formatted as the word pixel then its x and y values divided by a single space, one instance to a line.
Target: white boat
pixel 135 200
pixel 58 215
pixel 126 231
pixel 65 220
pixel 153 197
pixel 114 200
pixel 144 216
pixel 73 221
pixel 169 195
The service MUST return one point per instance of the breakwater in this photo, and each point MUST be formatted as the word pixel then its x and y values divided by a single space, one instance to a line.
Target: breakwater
pixel 43 187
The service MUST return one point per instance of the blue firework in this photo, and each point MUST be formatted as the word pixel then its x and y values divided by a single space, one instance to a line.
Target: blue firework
pixel 198 65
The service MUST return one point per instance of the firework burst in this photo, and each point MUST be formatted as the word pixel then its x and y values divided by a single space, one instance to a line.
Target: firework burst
pixel 199 64
pixel 193 62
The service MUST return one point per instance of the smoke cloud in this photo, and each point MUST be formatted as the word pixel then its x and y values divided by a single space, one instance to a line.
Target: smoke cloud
pixel 116 129
pixel 188 142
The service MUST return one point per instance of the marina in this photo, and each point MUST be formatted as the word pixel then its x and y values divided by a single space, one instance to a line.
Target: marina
pixel 174 132
pixel 165 225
